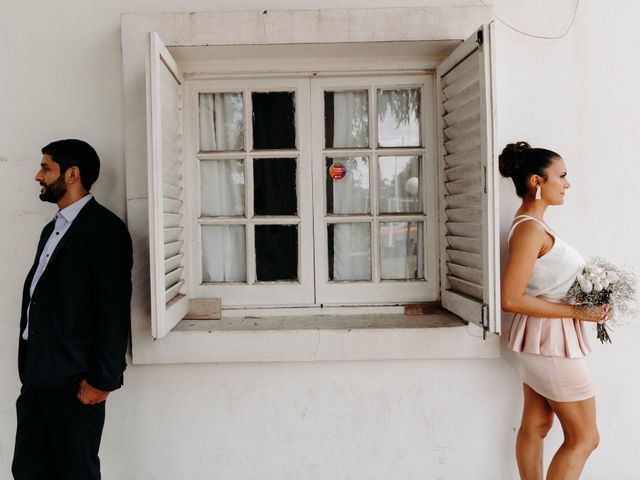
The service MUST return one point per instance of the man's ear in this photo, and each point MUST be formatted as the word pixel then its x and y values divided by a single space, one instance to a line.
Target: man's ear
pixel 72 175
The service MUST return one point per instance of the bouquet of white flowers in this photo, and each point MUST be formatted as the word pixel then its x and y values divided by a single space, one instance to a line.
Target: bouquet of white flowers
pixel 602 282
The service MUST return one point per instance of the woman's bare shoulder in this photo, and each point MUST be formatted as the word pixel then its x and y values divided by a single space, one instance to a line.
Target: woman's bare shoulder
pixel 528 231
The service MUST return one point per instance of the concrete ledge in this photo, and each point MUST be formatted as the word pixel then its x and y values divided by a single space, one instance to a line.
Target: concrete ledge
pixel 317 338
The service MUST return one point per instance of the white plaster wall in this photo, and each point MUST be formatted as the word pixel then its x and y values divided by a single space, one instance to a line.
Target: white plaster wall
pixel 578 96
pixel 451 420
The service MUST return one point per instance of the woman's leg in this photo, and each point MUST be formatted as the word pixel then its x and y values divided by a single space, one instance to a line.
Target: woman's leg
pixel 578 420
pixel 537 418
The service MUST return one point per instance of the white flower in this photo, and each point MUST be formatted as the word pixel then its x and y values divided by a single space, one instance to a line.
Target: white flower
pixel 598 287
pixel 594 278
pixel 605 283
pixel 612 277
pixel 580 278
pixel 587 287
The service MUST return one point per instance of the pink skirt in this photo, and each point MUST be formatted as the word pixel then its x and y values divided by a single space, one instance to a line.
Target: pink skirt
pixel 550 354
pixel 560 379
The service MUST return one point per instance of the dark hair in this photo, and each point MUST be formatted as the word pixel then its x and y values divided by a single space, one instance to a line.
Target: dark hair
pixel 75 153
pixel 519 161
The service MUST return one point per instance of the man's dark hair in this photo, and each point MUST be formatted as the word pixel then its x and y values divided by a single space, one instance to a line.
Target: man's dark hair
pixel 72 152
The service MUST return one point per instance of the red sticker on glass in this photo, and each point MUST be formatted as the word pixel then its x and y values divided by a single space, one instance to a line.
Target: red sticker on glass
pixel 337 171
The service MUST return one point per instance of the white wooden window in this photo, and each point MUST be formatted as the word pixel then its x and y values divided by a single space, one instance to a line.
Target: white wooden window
pixel 374 190
pixel 249 168
pixel 419 223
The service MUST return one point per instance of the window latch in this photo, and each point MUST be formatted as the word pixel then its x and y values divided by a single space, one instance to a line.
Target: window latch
pixel 485 320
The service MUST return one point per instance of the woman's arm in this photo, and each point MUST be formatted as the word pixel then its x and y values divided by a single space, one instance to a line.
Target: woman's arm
pixel 526 244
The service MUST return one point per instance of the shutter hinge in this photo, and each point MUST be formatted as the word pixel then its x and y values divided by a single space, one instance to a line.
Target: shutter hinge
pixel 480 37
pixel 485 320
pixel 484 178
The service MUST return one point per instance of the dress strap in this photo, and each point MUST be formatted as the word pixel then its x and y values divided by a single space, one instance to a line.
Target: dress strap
pixel 524 218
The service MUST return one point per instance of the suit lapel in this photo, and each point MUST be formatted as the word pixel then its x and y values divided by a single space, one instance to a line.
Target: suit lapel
pixel 46 233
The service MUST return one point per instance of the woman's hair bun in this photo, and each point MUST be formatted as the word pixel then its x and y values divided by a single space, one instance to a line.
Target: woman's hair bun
pixel 512 158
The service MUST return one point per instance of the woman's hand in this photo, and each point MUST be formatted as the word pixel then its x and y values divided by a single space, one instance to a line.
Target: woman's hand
pixel 596 313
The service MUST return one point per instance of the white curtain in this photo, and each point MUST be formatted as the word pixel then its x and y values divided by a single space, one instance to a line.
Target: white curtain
pixel 223 253
pixel 351 241
pixel 221 121
pixel 222 187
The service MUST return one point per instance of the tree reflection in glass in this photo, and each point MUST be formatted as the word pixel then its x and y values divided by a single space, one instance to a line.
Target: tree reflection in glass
pixel 399 118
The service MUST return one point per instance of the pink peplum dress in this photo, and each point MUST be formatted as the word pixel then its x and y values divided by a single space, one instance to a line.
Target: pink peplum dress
pixel 551 351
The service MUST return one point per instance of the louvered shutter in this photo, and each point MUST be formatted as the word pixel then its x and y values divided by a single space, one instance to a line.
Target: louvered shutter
pixel 169 299
pixel 468 203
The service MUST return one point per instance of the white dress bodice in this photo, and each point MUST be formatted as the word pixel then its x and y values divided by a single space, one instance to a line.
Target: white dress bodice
pixel 555 271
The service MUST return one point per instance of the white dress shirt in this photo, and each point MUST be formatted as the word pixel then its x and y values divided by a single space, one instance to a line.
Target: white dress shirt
pixel 64 218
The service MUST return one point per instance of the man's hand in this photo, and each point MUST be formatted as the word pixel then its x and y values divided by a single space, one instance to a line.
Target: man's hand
pixel 89 395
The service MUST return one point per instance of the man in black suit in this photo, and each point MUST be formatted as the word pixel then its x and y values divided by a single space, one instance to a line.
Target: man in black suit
pixel 74 325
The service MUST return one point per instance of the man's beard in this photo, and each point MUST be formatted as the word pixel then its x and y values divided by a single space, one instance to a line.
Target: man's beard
pixel 54 191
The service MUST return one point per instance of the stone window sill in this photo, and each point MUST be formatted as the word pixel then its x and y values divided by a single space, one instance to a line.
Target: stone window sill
pixel 317 338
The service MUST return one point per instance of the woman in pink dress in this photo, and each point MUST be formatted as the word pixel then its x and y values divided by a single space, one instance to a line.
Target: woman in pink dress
pixel 547 336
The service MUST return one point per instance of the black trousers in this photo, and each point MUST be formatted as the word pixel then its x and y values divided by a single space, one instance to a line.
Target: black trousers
pixel 58 437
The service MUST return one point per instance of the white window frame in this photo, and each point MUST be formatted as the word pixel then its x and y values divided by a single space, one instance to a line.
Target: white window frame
pixel 252 294
pixel 376 291
pixel 346 337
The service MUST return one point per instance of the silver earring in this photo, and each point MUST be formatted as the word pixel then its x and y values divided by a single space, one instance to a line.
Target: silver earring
pixel 538 195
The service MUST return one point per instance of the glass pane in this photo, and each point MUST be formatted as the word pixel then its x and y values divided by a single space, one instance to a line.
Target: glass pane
pixel 222 187
pixel 346 119
pixel 347 184
pixel 221 121
pixel 273 120
pixel 276 252
pixel 401 250
pixel 274 186
pixel 223 253
pixel 399 118
pixel 400 185
pixel 349 251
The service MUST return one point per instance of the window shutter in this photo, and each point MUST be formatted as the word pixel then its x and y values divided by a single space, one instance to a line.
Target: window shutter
pixel 468 203
pixel 169 298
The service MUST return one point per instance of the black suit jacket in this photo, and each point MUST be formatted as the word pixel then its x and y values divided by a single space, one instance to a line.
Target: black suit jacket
pixel 80 315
